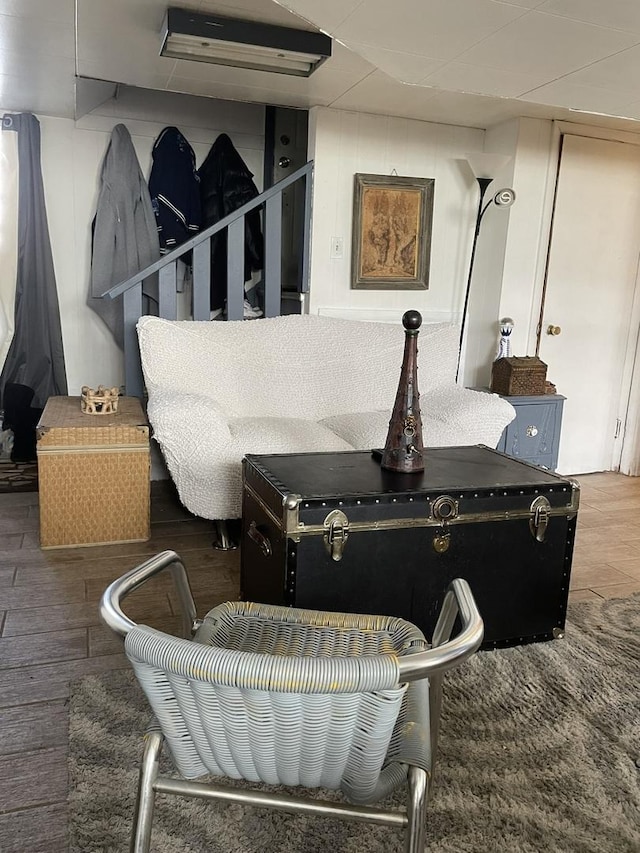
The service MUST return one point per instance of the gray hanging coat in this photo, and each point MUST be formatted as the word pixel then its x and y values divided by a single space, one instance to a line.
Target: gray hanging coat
pixel 125 236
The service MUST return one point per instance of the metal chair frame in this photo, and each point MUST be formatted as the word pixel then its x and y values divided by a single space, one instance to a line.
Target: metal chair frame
pixel 445 653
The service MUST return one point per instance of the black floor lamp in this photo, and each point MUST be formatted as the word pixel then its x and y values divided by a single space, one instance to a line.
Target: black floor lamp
pixel 484 167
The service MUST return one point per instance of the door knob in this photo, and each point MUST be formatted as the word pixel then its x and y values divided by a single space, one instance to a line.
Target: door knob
pixel 284 162
pixel 553 330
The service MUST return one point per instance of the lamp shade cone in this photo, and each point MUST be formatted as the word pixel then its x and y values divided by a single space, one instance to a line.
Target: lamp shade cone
pixel 486 165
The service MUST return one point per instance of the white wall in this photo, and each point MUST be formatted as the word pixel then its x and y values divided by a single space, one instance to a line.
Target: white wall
pixel 525 249
pixel 343 143
pixel 72 154
pixel 512 248
pixel 487 280
pixel 509 264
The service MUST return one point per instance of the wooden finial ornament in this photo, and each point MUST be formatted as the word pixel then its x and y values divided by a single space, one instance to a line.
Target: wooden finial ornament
pixel 404 450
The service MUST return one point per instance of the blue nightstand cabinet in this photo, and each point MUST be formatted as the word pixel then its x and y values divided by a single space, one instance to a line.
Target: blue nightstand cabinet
pixel 534 435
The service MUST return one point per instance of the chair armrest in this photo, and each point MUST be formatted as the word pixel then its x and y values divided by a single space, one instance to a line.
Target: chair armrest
pixel 446 653
pixel 110 604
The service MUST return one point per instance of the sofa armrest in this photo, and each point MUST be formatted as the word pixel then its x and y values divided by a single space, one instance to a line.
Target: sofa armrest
pixel 188 427
pixel 485 415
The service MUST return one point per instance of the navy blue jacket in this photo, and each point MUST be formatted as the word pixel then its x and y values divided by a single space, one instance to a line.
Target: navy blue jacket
pixel 174 186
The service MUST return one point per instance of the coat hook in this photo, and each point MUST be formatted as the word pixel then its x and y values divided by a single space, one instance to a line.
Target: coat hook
pixel 7 122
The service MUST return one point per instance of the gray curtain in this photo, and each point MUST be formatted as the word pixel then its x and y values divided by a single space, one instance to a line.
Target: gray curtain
pixel 36 355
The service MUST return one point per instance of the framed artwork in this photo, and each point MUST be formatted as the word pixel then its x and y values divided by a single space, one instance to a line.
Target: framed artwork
pixel 391 244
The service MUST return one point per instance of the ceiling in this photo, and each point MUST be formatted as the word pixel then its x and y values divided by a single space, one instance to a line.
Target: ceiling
pixel 467 62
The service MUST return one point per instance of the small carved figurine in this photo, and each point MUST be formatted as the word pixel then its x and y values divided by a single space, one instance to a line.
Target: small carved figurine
pixel 103 401
pixel 404 450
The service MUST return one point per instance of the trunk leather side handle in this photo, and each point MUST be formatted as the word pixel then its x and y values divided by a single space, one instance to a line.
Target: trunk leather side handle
pixel 260 539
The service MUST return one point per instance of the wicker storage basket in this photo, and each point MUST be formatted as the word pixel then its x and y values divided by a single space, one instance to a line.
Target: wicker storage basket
pixel 93 473
pixel 516 377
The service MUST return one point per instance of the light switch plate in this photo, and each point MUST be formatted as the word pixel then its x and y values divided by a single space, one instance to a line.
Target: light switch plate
pixel 337 248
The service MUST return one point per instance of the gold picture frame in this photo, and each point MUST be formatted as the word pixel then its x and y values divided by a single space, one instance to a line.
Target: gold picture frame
pixel 392 219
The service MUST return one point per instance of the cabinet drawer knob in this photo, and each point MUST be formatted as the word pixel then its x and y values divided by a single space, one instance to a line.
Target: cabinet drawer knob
pixel 532 430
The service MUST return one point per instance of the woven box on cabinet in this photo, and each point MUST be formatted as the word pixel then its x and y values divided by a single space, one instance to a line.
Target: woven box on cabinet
pixel 93 473
pixel 517 376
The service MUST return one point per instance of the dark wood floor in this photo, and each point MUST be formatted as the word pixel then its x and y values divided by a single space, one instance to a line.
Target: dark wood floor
pixel 50 632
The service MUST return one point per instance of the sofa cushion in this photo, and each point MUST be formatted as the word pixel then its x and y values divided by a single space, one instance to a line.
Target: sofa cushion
pixel 362 430
pixel 210 483
pixel 366 430
pixel 283 435
pixel 450 416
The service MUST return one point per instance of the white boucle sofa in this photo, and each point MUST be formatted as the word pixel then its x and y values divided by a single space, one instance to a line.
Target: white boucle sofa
pixel 220 390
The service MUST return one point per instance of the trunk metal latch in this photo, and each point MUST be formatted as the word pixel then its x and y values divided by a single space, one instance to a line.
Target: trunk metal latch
pixel 540 512
pixel 444 509
pixel 336 526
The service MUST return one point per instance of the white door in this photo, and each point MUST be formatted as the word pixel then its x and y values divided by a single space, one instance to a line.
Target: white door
pixel 590 287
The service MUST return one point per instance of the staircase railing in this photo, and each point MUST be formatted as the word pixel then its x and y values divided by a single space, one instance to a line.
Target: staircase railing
pixel 166 268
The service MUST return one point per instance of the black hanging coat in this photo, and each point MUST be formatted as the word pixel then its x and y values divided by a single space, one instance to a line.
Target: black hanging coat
pixel 225 185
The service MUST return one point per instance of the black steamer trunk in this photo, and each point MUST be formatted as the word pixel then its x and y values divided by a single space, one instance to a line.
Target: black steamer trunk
pixel 334 531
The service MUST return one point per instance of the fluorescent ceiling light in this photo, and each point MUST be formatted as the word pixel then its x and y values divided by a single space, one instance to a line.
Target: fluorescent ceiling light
pixel 242 44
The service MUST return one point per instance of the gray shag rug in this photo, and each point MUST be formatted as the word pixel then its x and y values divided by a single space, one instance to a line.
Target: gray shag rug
pixel 540 751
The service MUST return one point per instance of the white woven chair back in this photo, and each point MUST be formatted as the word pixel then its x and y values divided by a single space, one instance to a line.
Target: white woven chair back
pixel 262 697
